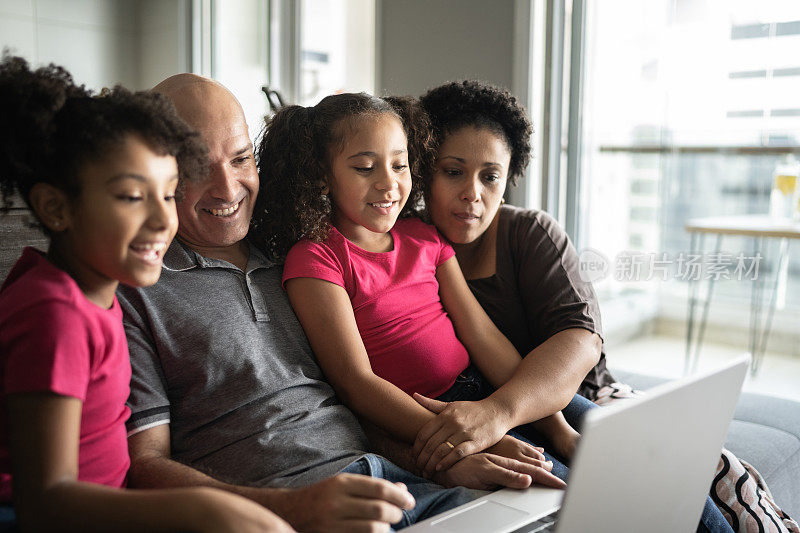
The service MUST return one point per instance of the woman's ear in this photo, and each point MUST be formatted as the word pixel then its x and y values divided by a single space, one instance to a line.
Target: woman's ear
pixel 51 206
pixel 323 185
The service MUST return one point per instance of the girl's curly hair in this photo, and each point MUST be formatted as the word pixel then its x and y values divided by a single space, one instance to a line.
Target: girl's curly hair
pixel 294 159
pixel 457 104
pixel 51 127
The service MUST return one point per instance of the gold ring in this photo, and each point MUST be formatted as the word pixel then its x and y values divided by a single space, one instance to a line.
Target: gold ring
pixel 449 444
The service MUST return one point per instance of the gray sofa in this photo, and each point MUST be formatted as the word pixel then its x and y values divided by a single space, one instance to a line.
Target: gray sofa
pixel 765 432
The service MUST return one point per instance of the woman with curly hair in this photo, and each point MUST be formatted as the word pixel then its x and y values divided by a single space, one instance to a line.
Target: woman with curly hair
pixel 100 174
pixel 380 297
pixel 519 263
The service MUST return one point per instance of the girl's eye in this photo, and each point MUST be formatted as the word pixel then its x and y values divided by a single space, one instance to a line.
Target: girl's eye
pixel 491 178
pixel 130 198
pixel 452 171
pixel 363 169
pixel 400 168
pixel 170 197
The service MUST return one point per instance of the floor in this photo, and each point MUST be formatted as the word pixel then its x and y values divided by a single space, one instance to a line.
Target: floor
pixel 779 374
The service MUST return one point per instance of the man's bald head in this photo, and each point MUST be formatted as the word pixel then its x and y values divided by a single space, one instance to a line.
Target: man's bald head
pixel 201 101
pixel 214 216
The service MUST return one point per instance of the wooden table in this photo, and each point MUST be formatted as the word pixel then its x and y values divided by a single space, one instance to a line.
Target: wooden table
pixel 759 227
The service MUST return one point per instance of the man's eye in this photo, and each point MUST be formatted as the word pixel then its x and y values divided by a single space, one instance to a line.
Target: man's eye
pixel 170 197
pixel 241 160
pixel 491 177
pixel 400 168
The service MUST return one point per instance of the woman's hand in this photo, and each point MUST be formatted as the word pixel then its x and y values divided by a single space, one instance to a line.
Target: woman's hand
pixel 459 429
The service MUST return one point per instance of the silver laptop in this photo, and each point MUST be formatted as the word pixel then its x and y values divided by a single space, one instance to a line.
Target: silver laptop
pixel 642 465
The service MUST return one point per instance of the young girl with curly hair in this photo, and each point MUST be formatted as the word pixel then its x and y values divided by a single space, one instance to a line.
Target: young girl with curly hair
pixel 379 294
pixel 100 175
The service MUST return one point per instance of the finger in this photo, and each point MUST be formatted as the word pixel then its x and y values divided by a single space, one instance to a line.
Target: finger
pixel 534 453
pixel 358 526
pixel 369 509
pixel 433 443
pixel 430 404
pixel 500 476
pixel 425 433
pixel 366 487
pixel 545 478
pixel 468 447
pixel 539 475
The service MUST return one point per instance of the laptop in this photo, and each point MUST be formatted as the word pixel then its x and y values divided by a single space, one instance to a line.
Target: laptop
pixel 642 465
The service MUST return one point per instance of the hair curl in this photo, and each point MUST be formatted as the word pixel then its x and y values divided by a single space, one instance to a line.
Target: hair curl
pixel 294 159
pixel 458 104
pixel 52 127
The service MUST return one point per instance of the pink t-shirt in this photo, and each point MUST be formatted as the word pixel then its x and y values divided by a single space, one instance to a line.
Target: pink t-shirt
pixel 395 295
pixel 53 339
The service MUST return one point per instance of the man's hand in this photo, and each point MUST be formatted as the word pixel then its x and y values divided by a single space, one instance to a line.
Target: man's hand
pixel 485 471
pixel 459 429
pixel 346 502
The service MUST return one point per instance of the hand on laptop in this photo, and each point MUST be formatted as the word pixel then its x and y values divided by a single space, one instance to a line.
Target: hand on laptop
pixel 486 471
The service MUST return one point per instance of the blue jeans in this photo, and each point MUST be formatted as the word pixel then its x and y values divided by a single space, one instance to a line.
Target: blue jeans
pixel 472 385
pixel 431 498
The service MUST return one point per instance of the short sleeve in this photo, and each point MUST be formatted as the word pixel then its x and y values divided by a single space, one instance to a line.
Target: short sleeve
pixel 445 250
pixel 554 295
pixel 148 400
pixel 47 349
pixel 317 260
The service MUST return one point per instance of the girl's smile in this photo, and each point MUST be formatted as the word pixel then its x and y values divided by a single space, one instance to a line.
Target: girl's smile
pixel 371 181
pixel 121 223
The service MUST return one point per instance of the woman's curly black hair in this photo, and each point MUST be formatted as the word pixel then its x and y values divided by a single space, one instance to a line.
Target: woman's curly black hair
pixel 457 104
pixel 294 160
pixel 51 127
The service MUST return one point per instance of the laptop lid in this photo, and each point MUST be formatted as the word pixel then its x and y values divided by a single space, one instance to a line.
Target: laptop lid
pixel 642 465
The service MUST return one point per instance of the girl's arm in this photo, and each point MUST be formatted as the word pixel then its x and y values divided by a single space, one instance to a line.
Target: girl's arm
pixel 326 314
pixel 44 432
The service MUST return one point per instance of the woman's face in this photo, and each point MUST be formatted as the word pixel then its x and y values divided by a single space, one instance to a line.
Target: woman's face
pixel 468 183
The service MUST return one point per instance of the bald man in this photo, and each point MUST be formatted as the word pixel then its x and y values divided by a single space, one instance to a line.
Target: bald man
pixel 225 389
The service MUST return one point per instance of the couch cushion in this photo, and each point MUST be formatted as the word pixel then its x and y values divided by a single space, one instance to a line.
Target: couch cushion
pixel 765 432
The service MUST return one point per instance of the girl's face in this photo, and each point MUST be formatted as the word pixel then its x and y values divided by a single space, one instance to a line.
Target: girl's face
pixel 468 183
pixel 120 225
pixel 371 180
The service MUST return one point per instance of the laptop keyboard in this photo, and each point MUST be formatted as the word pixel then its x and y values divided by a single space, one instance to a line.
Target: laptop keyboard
pixel 546 523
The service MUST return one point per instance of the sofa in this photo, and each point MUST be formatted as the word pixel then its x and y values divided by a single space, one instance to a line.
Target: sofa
pixel 765 432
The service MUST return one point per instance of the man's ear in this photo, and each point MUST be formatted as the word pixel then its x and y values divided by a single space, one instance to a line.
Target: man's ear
pixel 51 206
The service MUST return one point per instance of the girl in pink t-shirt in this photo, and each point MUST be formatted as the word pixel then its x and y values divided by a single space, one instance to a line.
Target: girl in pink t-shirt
pixel 383 301
pixel 100 175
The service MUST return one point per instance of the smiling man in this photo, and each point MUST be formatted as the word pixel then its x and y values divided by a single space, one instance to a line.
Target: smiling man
pixel 225 390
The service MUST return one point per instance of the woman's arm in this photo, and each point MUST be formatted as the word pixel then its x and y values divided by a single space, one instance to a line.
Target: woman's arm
pixel 521 394
pixel 44 432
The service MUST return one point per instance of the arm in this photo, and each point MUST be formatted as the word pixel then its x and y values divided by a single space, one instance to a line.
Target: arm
pixel 519 398
pixel 44 431
pixel 326 314
pixel 346 502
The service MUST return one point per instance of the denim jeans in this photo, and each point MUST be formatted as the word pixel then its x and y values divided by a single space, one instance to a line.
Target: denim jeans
pixel 472 385
pixel 431 498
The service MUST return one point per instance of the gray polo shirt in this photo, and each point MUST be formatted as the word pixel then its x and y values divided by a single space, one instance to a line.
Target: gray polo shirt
pixel 219 355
